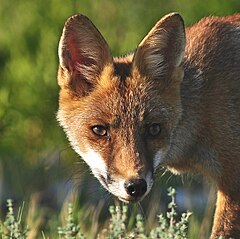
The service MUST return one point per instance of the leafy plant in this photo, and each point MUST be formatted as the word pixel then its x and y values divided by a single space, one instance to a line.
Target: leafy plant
pixel 71 230
pixel 117 226
pixel 12 227
pixel 167 226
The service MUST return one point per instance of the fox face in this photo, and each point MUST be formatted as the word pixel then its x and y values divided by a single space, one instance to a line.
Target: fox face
pixel 119 112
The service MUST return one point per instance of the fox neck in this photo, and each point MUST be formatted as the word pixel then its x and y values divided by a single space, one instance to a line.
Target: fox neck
pixel 203 154
pixel 186 152
pixel 227 216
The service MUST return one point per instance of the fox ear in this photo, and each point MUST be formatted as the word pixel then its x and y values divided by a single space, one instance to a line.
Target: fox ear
pixel 83 53
pixel 163 48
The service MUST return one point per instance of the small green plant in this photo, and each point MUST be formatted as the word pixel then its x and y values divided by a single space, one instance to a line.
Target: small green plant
pixel 12 228
pixel 169 227
pixel 71 230
pixel 117 227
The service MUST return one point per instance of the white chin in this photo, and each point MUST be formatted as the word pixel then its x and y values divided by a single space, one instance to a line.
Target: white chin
pixel 124 200
pixel 131 200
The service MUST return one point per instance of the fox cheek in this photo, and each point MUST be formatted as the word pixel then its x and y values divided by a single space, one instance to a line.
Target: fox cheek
pixel 96 163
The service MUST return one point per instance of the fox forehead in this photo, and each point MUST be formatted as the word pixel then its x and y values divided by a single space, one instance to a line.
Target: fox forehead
pixel 121 98
pixel 115 95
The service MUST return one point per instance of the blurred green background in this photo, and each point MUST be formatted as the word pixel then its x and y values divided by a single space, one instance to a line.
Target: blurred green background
pixel 36 163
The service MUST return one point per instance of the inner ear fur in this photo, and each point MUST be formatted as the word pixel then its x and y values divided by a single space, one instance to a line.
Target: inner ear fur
pixel 162 49
pixel 83 53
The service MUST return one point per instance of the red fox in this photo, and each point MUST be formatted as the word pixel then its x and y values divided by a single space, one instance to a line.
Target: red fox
pixel 174 102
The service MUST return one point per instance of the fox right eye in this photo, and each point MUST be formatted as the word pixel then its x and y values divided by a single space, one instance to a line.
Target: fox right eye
pixel 99 130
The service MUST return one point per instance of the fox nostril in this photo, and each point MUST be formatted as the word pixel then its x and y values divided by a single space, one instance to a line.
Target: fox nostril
pixel 136 187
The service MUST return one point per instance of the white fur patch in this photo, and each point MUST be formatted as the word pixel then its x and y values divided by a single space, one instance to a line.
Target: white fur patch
pixel 158 159
pixel 117 188
pixel 95 162
pixel 149 180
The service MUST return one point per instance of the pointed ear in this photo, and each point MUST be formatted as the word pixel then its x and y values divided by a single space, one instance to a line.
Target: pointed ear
pixel 163 48
pixel 83 53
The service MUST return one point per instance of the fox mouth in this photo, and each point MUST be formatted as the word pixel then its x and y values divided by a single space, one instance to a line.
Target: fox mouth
pixel 130 200
pixel 124 197
pixel 125 200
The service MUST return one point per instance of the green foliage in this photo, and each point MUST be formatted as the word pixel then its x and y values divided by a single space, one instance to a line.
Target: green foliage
pixel 174 229
pixel 12 227
pixel 167 227
pixel 71 230
pixel 117 227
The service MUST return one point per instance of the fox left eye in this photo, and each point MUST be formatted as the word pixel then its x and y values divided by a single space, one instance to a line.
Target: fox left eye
pixel 154 130
pixel 99 130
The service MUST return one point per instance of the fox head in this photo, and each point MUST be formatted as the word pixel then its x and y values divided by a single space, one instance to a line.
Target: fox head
pixel 119 113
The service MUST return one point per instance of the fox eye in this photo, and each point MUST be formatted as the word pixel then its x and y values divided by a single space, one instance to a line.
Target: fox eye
pixel 154 130
pixel 99 130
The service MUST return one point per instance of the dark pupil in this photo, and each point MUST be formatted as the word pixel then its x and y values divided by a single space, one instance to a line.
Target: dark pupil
pixel 154 129
pixel 99 130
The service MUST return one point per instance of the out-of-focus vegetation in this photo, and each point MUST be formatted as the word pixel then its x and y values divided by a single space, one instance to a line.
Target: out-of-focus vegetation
pixel 167 227
pixel 36 162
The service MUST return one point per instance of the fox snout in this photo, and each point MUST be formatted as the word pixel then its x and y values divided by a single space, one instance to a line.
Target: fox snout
pixel 130 190
pixel 129 179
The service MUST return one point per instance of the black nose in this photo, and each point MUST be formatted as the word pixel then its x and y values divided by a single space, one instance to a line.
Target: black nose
pixel 136 187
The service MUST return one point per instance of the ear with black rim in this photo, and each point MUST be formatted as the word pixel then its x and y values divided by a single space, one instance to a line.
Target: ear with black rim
pixel 162 49
pixel 83 53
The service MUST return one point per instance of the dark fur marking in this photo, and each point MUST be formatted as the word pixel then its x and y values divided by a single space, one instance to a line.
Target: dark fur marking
pixel 122 69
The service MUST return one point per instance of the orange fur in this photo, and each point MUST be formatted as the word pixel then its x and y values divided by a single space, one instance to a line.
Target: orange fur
pixel 174 102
